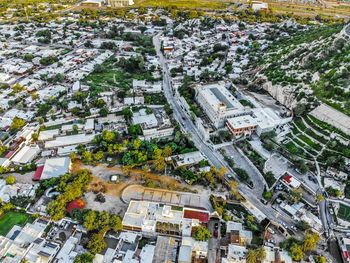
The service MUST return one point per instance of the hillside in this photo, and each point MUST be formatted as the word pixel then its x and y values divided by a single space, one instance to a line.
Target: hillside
pixel 304 63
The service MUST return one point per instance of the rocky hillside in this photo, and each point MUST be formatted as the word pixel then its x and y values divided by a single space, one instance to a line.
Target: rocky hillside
pixel 303 63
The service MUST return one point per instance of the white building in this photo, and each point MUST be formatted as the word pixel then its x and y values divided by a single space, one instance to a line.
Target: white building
pixel 218 103
pixel 150 218
pixel 27 243
pixel 56 167
pixel 235 254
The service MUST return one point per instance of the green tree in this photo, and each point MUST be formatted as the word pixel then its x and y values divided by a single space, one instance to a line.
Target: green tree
pixel 116 223
pixel 296 252
pixel 87 157
pixel 310 241
pixel 3 149
pixel 96 243
pixel 251 256
pixel 10 180
pixel 17 123
pixel 89 220
pixel 99 156
pixel 84 258
pixel 201 233
pixel 296 195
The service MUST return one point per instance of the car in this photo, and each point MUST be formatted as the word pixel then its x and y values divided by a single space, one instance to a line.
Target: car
pixel 215 233
pixel 216 226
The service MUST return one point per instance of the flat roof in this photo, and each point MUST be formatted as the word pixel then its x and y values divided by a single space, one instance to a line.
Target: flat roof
pixel 26 154
pixel 217 95
pixel 240 122
pixel 55 167
pixel 70 140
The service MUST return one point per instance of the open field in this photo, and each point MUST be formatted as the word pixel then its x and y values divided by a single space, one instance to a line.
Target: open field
pixel 8 220
pixel 344 212
pixel 205 4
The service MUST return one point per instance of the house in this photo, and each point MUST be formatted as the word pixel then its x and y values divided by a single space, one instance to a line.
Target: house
pixel 27 242
pixel 191 248
pixel 235 254
pixel 154 124
pixel 237 235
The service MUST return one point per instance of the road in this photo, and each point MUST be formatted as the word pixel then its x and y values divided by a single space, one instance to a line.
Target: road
pixel 214 157
pixel 243 163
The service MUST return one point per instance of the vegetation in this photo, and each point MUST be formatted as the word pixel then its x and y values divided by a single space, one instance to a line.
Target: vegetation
pixel 10 180
pixel 71 187
pixel 201 233
pixel 11 218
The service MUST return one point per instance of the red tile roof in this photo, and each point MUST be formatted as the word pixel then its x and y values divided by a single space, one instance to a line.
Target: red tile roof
pixel 203 217
pixel 288 178
pixel 38 172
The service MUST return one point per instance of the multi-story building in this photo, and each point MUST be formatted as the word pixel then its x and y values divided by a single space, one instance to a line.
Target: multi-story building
pixel 150 218
pixel 242 125
pixel 219 104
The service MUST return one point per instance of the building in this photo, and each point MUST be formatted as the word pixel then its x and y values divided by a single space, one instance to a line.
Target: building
pixel 237 235
pixel 344 244
pixel 291 181
pixel 186 159
pixel 92 3
pixel 260 6
pixel 154 125
pixel 120 3
pixel 235 254
pixel 54 167
pixel 150 218
pixel 27 242
pixel 192 250
pixel 166 250
pixel 275 255
pixel 218 103
pixel 26 154
pixel 242 125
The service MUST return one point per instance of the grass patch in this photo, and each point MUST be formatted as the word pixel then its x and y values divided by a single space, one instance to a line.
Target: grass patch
pixel 12 218
pixel 310 142
pixel 344 212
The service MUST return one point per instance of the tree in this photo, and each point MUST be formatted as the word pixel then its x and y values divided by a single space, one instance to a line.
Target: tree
pixel 3 149
pixel 296 195
pixel 17 88
pixel 310 241
pixel 99 156
pixel 234 190
pixel 261 253
pixel 96 243
pixel 10 180
pixel 17 123
pixel 167 151
pixel 84 258
pixel 300 109
pixel 320 259
pixel 89 220
pixel 296 252
pixel 116 223
pixel 303 225
pixel 201 233
pixel 251 256
pixel 319 198
pixel 87 157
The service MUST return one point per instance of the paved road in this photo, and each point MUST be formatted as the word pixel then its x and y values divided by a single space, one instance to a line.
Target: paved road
pixel 214 157
pixel 242 162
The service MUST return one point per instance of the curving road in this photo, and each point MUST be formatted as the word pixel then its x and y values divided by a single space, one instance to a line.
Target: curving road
pixel 214 157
